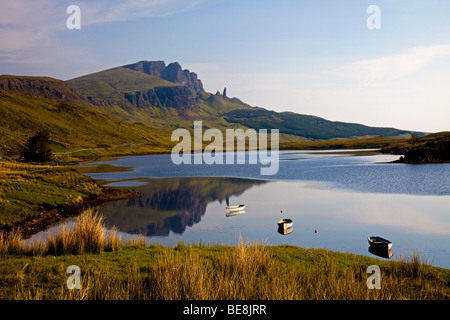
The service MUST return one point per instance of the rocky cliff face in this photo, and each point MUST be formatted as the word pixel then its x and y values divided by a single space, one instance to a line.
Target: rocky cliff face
pixel 39 87
pixel 177 97
pixel 173 72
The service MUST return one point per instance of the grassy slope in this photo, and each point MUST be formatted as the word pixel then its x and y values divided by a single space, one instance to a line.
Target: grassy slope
pixel 307 126
pixel 217 272
pixel 110 84
pixel 72 126
pixel 25 189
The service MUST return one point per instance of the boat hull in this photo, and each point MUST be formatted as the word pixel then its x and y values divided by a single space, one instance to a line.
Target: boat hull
pixel 235 208
pixel 378 242
pixel 285 223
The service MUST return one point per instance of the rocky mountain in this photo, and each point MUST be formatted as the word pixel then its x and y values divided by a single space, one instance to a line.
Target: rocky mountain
pixel 172 72
pixel 154 94
pixel 151 93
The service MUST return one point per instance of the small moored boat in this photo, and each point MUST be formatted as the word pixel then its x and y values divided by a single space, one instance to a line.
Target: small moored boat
pixel 379 242
pixel 236 208
pixel 285 223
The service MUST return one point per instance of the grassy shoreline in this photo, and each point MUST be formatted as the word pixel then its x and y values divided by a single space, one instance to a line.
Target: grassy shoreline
pixel 114 270
pixel 33 196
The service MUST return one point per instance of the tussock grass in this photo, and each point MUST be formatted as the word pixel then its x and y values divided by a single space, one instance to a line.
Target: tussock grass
pixel 11 242
pixel 116 270
pixel 86 235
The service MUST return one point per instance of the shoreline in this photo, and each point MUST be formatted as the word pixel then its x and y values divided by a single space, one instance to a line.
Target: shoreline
pixel 34 224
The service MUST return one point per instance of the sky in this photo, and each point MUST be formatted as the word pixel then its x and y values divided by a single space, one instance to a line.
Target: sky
pixel 313 57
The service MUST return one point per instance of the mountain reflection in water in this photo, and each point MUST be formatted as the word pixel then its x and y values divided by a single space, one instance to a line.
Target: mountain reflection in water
pixel 171 204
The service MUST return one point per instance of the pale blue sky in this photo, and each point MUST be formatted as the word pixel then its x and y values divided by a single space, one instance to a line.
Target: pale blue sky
pixel 314 57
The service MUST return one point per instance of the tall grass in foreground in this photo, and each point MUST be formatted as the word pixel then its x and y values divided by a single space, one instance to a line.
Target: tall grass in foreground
pixel 86 235
pixel 241 272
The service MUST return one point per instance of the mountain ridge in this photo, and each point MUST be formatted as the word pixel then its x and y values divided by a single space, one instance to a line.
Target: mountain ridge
pixel 179 107
pixel 146 108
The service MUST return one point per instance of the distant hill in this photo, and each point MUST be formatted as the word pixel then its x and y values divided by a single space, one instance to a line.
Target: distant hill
pixel 32 104
pixel 160 96
pixel 429 149
pixel 307 126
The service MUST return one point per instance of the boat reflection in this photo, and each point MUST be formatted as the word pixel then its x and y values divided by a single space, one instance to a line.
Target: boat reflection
pixel 284 231
pixel 171 205
pixel 234 213
pixel 381 252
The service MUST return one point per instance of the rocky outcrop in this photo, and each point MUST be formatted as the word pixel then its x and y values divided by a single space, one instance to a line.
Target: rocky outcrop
pixel 179 97
pixel 173 72
pixel 152 68
pixel 39 87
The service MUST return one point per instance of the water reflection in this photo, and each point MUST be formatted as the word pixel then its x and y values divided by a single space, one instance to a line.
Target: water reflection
pixel 171 205
pixel 284 231
pixel 234 213
pixel 381 252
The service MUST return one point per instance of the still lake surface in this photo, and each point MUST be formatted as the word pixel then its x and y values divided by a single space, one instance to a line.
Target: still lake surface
pixel 345 195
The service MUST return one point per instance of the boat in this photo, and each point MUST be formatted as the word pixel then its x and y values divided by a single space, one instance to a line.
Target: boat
pixel 236 208
pixel 285 223
pixel 379 242
pixel 234 213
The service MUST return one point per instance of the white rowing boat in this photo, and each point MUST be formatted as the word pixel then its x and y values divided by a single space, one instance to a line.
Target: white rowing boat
pixel 379 242
pixel 285 223
pixel 236 208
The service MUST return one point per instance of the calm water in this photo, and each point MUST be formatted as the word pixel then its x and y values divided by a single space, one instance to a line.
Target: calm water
pixel 344 196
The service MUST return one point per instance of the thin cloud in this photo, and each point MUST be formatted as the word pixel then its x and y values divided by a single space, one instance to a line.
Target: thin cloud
pixel 114 11
pixel 384 69
pixel 30 31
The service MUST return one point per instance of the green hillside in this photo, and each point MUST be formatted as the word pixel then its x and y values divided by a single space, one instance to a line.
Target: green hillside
pixel 72 126
pixel 307 126
pixel 113 83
